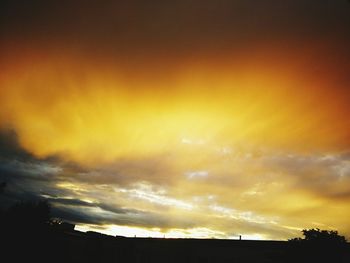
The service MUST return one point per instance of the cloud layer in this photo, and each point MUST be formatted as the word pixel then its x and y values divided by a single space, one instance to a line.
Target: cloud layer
pixel 265 195
pixel 184 119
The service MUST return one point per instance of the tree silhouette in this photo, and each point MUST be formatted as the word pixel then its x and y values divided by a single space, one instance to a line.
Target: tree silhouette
pixel 26 217
pixel 321 236
pixel 2 187
pixel 318 246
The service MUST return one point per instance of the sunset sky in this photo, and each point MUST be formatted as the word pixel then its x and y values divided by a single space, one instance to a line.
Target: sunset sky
pixel 189 118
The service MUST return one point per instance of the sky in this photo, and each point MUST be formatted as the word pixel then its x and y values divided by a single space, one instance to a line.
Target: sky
pixel 200 119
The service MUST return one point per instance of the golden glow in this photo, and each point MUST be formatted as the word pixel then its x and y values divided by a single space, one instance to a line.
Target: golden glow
pixel 231 133
pixel 93 113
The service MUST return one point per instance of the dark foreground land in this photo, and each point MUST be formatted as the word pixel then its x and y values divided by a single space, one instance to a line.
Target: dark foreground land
pixel 54 245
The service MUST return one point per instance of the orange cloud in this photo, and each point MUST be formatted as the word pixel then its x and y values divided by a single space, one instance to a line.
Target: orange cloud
pixel 92 111
pixel 251 142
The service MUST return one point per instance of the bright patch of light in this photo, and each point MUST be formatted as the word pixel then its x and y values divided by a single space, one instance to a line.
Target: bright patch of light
pixel 253 237
pixel 157 197
pixel 247 216
pixel 70 186
pixel 128 231
pixel 192 142
pixel 196 174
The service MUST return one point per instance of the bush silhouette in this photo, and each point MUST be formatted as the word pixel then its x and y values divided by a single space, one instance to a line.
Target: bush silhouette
pixel 2 187
pixel 321 236
pixel 27 217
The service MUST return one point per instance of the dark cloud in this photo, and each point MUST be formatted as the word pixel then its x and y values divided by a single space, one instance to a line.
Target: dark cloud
pixel 67 185
pixel 29 179
pixel 70 202
pixel 76 211
pixel 118 210
pixel 125 171
pixel 176 24
pixel 9 147
pixel 75 216
pixel 142 27
pixel 26 176
pixel 80 203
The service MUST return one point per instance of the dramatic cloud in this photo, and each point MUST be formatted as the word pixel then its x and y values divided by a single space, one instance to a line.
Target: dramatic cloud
pixel 178 118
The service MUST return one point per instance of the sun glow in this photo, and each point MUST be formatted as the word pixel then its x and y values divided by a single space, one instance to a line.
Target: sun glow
pixel 97 114
pixel 204 148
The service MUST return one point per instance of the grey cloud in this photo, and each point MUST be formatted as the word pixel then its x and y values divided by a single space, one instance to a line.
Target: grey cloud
pixel 10 149
pixel 127 171
pixel 118 210
pixel 345 156
pixel 26 176
pixel 75 216
pixel 29 178
pixel 70 202
pixel 80 203
pixel 320 173
pixel 23 177
pixel 76 212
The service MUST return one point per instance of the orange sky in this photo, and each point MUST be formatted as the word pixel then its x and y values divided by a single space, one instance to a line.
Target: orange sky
pixel 291 100
pixel 245 135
